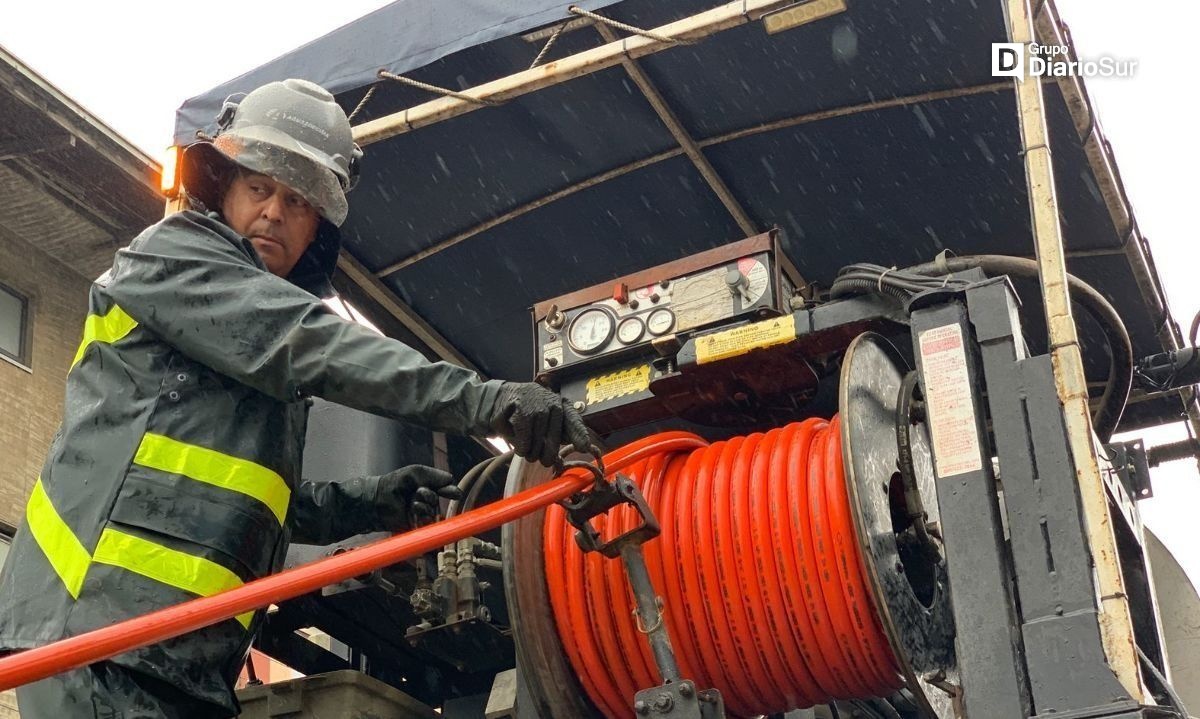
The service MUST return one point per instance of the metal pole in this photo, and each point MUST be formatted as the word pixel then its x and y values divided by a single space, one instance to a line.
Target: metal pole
pixel 1115 625
pixel 686 141
pixel 650 614
pixel 1051 31
pixel 608 55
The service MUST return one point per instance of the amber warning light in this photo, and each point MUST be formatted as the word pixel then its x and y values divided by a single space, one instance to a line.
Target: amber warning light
pixel 170 171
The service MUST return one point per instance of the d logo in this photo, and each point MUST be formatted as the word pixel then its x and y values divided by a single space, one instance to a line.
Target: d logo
pixel 1008 59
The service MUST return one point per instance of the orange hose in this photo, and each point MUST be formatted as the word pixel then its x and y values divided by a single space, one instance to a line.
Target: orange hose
pixel 67 654
pixel 766 597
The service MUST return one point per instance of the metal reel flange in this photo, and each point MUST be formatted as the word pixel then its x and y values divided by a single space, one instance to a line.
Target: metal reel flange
pixel 541 660
pixel 908 581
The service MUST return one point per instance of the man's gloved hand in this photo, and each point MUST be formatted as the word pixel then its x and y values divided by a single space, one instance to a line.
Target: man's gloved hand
pixel 537 422
pixel 407 496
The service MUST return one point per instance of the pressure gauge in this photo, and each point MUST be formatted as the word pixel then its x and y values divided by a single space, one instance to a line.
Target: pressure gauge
pixel 660 322
pixel 590 330
pixel 630 330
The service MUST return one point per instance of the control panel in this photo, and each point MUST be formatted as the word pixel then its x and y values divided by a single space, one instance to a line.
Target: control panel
pixel 647 311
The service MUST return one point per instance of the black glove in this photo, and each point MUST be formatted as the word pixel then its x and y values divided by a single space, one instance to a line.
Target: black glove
pixel 407 496
pixel 537 422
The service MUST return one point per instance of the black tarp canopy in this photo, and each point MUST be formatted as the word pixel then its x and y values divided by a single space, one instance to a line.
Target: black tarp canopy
pixel 875 135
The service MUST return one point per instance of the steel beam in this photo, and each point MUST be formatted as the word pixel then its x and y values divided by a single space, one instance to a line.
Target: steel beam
pixel 688 29
pixel 1071 384
pixel 1049 545
pixel 988 642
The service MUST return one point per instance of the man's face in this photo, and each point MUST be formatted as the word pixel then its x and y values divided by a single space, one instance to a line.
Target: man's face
pixel 274 217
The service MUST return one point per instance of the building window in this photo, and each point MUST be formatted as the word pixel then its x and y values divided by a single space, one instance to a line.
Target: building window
pixel 14 326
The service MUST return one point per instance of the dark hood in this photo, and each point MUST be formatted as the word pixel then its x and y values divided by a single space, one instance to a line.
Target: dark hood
pixel 314 271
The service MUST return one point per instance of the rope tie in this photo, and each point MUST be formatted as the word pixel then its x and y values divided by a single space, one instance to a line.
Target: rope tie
pixel 362 103
pixel 549 43
pixel 576 10
pixel 434 88
pixel 658 617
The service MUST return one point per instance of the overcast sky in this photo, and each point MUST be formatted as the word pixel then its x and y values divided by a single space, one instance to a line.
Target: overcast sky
pixel 132 63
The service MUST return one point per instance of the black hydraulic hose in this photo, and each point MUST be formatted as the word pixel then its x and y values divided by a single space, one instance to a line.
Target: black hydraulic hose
pixel 464 485
pixel 1120 370
pixel 493 467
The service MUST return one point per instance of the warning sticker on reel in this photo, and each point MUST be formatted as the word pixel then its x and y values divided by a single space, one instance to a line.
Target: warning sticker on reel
pixel 618 384
pixel 740 340
pixel 951 410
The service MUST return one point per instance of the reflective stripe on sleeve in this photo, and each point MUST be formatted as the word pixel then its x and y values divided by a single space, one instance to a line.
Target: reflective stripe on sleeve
pixel 190 573
pixel 104 328
pixel 212 467
pixel 56 540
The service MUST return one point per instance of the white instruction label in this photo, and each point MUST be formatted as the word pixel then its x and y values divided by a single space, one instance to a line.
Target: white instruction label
pixel 948 398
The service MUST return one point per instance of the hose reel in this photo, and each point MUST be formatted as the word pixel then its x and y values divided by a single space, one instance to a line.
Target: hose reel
pixel 793 565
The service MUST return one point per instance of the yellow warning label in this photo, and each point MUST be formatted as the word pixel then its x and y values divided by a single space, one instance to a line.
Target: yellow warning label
pixel 618 384
pixel 740 340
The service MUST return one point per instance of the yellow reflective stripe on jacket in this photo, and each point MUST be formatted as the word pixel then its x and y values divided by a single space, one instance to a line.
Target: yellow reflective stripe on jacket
pixel 104 328
pixel 212 467
pixel 70 559
pixel 60 545
pixel 169 566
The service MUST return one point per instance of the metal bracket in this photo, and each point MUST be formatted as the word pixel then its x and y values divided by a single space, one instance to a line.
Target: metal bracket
pixel 1132 464
pixel 679 700
pixel 584 506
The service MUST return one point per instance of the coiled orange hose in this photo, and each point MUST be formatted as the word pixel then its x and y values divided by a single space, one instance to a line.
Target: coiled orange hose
pixel 765 595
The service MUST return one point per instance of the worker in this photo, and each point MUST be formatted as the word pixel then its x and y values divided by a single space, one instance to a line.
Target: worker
pixel 176 473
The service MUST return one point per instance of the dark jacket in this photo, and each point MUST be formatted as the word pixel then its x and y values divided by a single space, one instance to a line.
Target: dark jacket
pixel 176 472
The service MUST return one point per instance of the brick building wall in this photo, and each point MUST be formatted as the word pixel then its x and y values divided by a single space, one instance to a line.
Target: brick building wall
pixel 31 401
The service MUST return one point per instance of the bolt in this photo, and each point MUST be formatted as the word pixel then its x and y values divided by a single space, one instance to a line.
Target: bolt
pixel 663 703
pixel 640 707
pixel 579 406
pixel 685 690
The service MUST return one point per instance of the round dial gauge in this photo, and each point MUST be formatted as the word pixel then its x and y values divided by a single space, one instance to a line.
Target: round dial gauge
pixel 757 278
pixel 630 330
pixel 660 322
pixel 590 330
